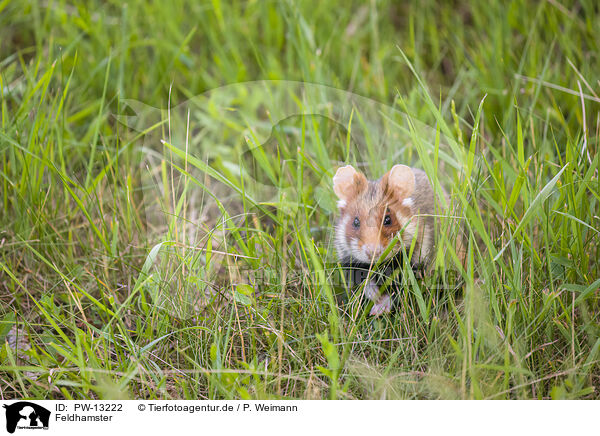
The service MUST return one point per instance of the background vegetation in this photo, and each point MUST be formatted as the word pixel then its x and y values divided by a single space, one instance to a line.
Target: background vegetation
pixel 100 301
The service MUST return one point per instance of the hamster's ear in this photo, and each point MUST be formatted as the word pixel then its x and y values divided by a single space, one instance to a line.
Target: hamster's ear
pixel 401 181
pixel 348 183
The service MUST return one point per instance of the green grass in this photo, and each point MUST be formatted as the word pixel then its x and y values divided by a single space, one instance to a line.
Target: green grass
pixel 202 266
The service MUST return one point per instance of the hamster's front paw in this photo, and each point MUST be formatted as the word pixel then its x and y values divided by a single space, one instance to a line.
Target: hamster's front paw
pixel 371 291
pixel 383 305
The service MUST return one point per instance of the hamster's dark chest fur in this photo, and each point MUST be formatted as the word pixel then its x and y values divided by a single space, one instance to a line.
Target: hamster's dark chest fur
pixel 390 271
pixel 387 277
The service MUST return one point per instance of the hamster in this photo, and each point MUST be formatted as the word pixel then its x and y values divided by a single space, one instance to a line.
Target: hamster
pixel 372 212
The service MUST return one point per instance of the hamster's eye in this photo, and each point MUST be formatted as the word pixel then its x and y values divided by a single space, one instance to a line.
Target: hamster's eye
pixel 356 223
pixel 387 220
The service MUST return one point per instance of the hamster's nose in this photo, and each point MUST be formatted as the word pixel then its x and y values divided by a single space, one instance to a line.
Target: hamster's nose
pixel 372 249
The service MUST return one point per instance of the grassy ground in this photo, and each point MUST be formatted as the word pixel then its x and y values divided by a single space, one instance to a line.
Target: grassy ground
pixel 201 266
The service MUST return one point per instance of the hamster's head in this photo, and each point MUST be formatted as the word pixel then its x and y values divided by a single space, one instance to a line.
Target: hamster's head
pixel 371 212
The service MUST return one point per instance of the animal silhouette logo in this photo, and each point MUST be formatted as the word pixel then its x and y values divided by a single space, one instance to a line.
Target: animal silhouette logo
pixel 26 415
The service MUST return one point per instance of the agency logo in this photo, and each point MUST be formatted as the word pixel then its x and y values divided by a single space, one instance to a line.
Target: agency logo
pixel 26 415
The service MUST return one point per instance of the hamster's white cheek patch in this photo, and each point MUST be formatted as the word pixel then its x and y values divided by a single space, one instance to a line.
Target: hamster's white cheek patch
pixel 357 252
pixel 340 236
